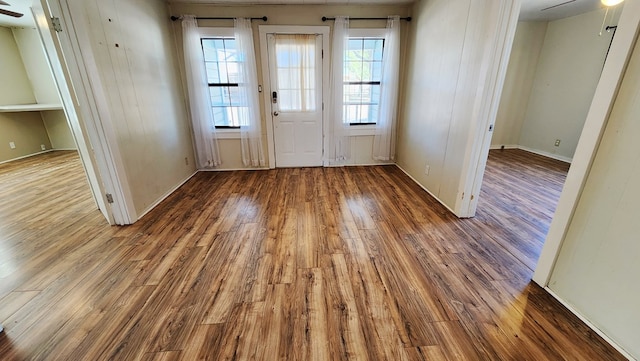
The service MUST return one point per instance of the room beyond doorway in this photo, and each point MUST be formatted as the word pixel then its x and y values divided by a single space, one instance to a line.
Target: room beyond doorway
pixel 519 196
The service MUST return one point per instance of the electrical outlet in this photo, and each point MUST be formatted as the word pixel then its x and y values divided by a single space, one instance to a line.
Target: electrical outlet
pixel 557 142
pixel 42 146
pixel 186 160
pixel 427 169
pixel 12 145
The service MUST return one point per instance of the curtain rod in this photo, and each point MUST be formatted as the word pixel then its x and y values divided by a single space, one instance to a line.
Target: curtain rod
pixel 324 18
pixel 174 18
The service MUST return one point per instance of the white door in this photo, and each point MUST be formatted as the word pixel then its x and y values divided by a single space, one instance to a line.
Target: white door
pixel 295 74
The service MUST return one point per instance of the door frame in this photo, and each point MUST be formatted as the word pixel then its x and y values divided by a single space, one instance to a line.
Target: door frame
pixel 78 131
pixel 266 81
pixel 73 49
pixel 604 98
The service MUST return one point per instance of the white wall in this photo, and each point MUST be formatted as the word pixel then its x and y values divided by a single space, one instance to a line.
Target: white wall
pixel 133 48
pixel 448 79
pixel 568 71
pixel 26 130
pixel 44 87
pixel 35 62
pixel 55 121
pixel 15 87
pixel 361 146
pixel 597 268
pixel 523 63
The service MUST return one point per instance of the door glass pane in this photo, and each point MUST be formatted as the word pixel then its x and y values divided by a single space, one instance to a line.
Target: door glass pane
pixel 296 72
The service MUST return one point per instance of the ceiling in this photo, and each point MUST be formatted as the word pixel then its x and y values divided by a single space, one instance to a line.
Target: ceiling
pixel 546 10
pixel 531 9
pixel 18 6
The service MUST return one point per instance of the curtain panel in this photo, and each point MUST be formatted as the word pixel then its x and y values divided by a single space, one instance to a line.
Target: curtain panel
pixel 250 121
pixel 385 135
pixel 204 130
pixel 339 140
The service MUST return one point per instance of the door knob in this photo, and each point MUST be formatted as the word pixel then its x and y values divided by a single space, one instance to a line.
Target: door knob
pixel 275 114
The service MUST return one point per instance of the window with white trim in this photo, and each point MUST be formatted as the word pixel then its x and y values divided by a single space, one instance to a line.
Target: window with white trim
pixel 362 76
pixel 223 71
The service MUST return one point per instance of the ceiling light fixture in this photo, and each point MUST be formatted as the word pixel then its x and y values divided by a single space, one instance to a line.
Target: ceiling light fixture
pixel 611 2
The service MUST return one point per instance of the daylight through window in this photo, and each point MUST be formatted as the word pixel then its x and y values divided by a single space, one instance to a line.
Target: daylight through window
pixel 362 76
pixel 223 73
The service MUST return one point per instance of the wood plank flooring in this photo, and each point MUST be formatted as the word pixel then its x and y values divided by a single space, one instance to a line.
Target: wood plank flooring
pixel 351 263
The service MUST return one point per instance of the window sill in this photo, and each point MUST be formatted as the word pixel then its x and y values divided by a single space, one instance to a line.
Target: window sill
pixel 227 134
pixel 362 130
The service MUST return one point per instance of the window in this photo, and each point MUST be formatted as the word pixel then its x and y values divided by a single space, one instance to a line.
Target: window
pixel 223 72
pixel 362 76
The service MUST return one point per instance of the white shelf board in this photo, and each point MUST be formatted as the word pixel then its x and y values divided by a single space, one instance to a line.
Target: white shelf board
pixel 29 107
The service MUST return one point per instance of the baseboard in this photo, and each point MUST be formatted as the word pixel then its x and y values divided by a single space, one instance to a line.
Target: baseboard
pixel 590 324
pixel 534 151
pixel 356 165
pixel 54 149
pixel 164 196
pixel 546 154
pixel 27 156
pixel 230 169
pixel 506 146
pixel 425 189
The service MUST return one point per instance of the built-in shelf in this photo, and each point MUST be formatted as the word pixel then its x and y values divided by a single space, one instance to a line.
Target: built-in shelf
pixel 29 108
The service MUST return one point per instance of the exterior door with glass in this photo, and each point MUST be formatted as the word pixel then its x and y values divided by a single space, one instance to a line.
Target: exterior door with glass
pixel 295 73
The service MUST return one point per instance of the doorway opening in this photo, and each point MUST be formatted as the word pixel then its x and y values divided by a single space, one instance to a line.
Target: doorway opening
pixel 41 110
pixel 554 69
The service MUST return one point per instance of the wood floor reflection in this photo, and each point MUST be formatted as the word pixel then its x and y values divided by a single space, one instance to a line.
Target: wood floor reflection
pixel 353 263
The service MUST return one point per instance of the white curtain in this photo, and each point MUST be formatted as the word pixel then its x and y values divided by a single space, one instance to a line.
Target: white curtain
pixel 207 152
pixel 384 141
pixel 339 144
pixel 249 113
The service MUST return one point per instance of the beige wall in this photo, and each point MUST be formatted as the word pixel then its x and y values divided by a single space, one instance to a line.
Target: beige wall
pixel 26 130
pixel 523 62
pixel 15 87
pixel 36 65
pixel 134 51
pixel 597 268
pixel 58 130
pixel 570 64
pixel 362 146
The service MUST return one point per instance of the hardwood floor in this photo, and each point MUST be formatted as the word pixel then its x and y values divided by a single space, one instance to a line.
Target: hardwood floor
pixel 291 264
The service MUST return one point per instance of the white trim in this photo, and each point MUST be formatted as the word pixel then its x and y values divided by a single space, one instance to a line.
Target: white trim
pixel 546 154
pixel 367 32
pixel 218 32
pixel 534 151
pixel 27 156
pixel 61 70
pixel 589 324
pixel 93 108
pixel 603 100
pixel 65 149
pixel 425 189
pixel 230 169
pixel 358 165
pixel 362 130
pixel 264 59
pixel 487 101
pixel 506 146
pixel 164 196
pixel 227 134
